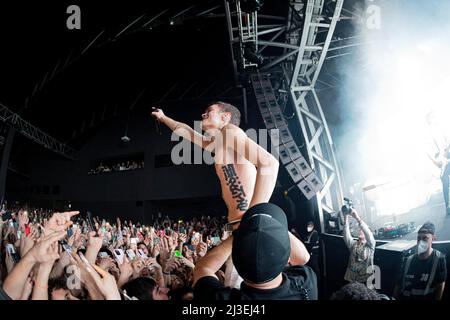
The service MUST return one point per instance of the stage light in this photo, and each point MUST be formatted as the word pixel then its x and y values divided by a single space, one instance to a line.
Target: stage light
pixel 250 6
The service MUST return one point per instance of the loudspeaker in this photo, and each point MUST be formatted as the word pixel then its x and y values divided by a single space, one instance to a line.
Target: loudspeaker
pixel 286 148
pixel 390 258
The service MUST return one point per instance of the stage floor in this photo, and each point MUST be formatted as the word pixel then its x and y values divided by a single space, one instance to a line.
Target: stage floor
pixel 433 211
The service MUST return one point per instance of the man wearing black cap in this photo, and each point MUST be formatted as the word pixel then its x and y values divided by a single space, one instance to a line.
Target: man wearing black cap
pixel 261 249
pixel 424 273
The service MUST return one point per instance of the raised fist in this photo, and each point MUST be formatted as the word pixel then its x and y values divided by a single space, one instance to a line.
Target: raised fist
pixel 157 113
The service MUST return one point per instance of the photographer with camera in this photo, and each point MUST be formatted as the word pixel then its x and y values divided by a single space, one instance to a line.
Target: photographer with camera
pixel 360 263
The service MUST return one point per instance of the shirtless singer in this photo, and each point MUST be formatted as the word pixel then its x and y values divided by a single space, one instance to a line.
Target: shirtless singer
pixel 246 171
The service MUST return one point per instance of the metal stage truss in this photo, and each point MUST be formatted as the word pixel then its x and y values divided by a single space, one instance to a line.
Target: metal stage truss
pixel 303 39
pixel 33 133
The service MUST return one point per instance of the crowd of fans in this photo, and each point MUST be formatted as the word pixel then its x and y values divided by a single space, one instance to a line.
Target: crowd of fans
pixel 120 166
pixel 68 256
pixel 131 260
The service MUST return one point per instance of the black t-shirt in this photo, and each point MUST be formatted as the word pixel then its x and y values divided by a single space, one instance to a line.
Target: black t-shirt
pixel 3 295
pixel 419 273
pixel 299 283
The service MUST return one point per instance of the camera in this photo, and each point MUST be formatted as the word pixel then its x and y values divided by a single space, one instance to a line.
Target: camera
pixel 348 205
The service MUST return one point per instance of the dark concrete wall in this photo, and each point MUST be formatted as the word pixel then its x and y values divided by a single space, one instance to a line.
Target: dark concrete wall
pixel 116 193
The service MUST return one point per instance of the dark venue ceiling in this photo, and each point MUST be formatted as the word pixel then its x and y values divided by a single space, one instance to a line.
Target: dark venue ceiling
pixel 64 80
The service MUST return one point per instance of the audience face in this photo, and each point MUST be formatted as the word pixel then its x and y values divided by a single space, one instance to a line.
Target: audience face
pixel 188 296
pixel 144 249
pixel 120 166
pixel 62 294
pixel 176 282
pixel 361 236
pixel 426 237
pixel 159 293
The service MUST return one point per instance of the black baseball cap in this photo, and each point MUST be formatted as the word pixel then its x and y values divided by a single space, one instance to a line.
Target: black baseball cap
pixel 428 227
pixel 261 245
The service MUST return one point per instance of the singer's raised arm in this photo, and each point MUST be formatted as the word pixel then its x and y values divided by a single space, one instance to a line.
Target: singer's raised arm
pixel 181 129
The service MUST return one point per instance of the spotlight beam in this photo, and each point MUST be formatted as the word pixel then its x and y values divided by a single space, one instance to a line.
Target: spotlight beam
pixel 154 18
pixel 128 26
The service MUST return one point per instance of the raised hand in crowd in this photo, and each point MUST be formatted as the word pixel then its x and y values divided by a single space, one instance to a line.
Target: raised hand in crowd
pixel 154 270
pixel 95 243
pixel 148 241
pixel 58 268
pixel 201 249
pixel 182 238
pixel 171 243
pixel 165 255
pixel 106 284
pixel 44 260
pixel 86 277
pixel 108 264
pixel 59 222
pixel 42 252
pixel 9 262
pixel 27 241
pixel 138 266
pixel 23 220
pixel 156 250
pixel 40 291
pixel 185 262
pixel 196 237
pixel 126 272
pixel 71 239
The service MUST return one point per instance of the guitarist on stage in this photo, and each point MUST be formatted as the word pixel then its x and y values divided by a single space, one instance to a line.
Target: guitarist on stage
pixel 443 162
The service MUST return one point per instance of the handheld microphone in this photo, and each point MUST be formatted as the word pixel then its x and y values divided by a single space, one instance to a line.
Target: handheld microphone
pixel 157 127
